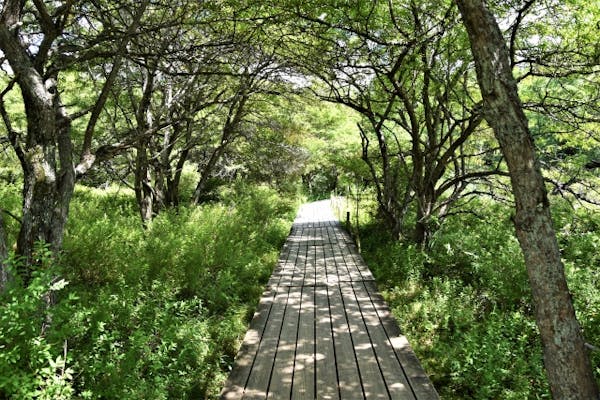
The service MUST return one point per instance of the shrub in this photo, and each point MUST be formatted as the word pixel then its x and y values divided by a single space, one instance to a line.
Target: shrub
pixel 33 363
pixel 465 305
pixel 149 313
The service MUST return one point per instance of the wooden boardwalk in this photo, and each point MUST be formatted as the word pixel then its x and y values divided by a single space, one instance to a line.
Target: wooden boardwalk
pixel 321 330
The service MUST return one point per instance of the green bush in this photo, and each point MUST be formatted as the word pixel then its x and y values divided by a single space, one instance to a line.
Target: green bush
pixel 32 361
pixel 579 239
pixel 156 312
pixel 10 201
pixel 138 343
pixel 465 304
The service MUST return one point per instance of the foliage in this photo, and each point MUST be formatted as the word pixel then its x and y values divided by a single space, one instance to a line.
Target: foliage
pixel 10 201
pixel 335 150
pixel 212 87
pixel 32 364
pixel 149 313
pixel 580 245
pixel 466 307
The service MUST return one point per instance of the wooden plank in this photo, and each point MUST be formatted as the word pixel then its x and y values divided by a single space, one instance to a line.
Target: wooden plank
pixel 300 268
pixel 283 366
pixel 330 265
pixel 342 269
pixel 310 265
pixel 373 384
pixel 418 379
pixel 350 384
pixel 244 361
pixel 392 371
pixel 326 374
pixel 320 266
pixel 282 264
pixel 304 368
pixel 361 266
pixel 284 276
pixel 258 381
pixel 353 272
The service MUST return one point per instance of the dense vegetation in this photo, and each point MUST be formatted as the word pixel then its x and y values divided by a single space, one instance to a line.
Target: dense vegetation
pixel 152 153
pixel 465 305
pixel 140 313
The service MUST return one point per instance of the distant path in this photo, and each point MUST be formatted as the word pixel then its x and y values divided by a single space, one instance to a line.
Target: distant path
pixel 321 330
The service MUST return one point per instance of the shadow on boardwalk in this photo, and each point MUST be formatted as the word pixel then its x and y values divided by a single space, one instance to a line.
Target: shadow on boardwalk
pixel 322 331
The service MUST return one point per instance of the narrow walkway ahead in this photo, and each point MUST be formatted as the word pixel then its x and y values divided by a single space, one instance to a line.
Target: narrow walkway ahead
pixel 321 330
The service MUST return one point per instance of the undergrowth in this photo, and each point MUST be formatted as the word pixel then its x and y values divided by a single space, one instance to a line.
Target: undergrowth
pixel 465 304
pixel 154 313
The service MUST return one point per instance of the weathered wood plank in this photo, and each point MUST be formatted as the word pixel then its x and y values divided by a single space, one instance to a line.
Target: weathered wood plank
pixel 342 268
pixel 330 264
pixel 304 367
pixel 361 266
pixel 391 368
pixel 310 272
pixel 236 383
pixel 320 265
pixel 300 268
pixel 258 381
pixel 283 366
pixel 350 384
pixel 326 374
pixel 418 379
pixel 373 384
pixel 322 331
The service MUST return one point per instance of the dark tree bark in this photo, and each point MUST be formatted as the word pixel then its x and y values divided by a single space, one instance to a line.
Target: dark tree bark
pixel 4 276
pixel 174 177
pixel 144 192
pixel 45 152
pixel 46 155
pixel 237 110
pixel 565 356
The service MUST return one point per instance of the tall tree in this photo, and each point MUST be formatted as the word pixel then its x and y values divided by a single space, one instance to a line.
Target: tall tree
pixel 36 42
pixel 565 355
pixel 4 276
pixel 556 58
pixel 405 68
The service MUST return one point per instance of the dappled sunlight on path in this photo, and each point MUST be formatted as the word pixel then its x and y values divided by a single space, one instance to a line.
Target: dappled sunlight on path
pixel 321 330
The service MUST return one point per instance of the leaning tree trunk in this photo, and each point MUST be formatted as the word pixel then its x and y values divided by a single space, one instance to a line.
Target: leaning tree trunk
pixel 206 172
pixel 4 275
pixel 565 356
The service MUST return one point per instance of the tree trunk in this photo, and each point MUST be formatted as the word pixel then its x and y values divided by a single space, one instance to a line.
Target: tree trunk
pixel 206 172
pixel 426 199
pixel 174 180
pixel 4 276
pixel 46 155
pixel 47 184
pixel 565 356
pixel 422 229
pixel 160 187
pixel 143 187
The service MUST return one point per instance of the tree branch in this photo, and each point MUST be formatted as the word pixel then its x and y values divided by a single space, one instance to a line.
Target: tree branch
pixel 87 158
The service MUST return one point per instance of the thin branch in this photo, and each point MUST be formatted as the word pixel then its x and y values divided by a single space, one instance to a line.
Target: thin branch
pixel 87 158
pixel 515 28
pixel 13 216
